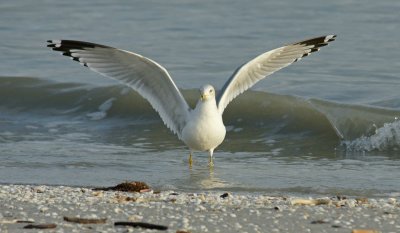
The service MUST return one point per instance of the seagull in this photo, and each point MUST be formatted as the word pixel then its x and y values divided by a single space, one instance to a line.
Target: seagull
pixel 201 128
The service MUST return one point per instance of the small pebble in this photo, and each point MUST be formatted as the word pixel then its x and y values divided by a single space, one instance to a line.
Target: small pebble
pixel 225 195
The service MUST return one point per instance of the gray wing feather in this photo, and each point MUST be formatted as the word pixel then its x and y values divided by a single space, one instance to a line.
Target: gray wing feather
pixel 145 76
pixel 265 64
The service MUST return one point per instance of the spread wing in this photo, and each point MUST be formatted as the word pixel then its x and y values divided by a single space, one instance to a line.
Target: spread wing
pixel 145 76
pixel 265 64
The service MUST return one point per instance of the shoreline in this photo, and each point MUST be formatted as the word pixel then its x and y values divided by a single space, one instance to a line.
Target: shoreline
pixel 210 211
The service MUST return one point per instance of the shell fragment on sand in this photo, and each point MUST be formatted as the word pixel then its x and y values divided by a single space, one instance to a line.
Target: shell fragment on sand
pixel 365 231
pixel 311 202
pixel 86 220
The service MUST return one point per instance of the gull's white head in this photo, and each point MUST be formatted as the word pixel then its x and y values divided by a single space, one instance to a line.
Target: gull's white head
pixel 207 92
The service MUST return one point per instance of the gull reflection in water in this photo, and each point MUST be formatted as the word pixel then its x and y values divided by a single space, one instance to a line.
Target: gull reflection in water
pixel 206 178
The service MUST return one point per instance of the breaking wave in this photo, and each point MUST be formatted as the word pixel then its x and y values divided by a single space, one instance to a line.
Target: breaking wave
pixel 358 128
pixel 385 138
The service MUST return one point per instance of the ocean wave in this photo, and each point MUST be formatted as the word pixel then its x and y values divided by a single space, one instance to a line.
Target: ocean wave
pixel 254 113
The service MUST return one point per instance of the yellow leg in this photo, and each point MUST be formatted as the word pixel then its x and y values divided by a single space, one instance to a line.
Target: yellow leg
pixel 190 159
pixel 211 162
pixel 210 159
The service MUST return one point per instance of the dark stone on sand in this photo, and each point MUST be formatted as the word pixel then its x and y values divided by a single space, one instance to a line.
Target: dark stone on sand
pixel 321 221
pixel 24 221
pixel 225 195
pixel 85 220
pixel 133 186
pixel 40 226
pixel 142 225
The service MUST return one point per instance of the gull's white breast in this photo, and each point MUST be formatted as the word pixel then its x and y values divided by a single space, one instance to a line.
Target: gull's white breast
pixel 205 130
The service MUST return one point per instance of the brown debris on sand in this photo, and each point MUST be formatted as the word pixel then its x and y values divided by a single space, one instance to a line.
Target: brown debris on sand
pixel 142 225
pixel 128 186
pixel 40 226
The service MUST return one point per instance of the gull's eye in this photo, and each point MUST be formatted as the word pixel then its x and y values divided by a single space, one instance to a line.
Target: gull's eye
pixel 210 90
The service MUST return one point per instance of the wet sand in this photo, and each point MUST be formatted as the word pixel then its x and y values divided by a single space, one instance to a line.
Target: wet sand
pixel 74 209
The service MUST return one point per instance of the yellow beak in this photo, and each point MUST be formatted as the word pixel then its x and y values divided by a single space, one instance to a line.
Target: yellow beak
pixel 203 97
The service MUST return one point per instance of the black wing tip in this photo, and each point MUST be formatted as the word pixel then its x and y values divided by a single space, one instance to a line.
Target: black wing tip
pixel 332 38
pixel 318 41
pixel 315 44
pixel 66 45
pixel 51 43
pixel 329 38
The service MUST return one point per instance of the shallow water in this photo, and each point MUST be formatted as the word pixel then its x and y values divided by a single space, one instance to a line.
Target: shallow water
pixel 328 124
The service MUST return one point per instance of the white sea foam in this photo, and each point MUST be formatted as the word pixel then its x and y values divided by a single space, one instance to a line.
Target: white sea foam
pixel 103 108
pixel 386 137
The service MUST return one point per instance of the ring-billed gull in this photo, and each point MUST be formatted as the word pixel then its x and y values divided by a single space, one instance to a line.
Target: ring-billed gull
pixel 201 128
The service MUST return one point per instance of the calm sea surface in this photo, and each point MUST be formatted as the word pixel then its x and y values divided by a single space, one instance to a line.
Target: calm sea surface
pixel 325 125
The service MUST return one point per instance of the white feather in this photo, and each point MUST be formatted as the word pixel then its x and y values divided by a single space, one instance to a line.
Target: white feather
pixel 144 75
pixel 265 64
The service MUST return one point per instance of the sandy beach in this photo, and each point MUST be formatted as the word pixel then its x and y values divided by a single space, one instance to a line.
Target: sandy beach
pixel 75 209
